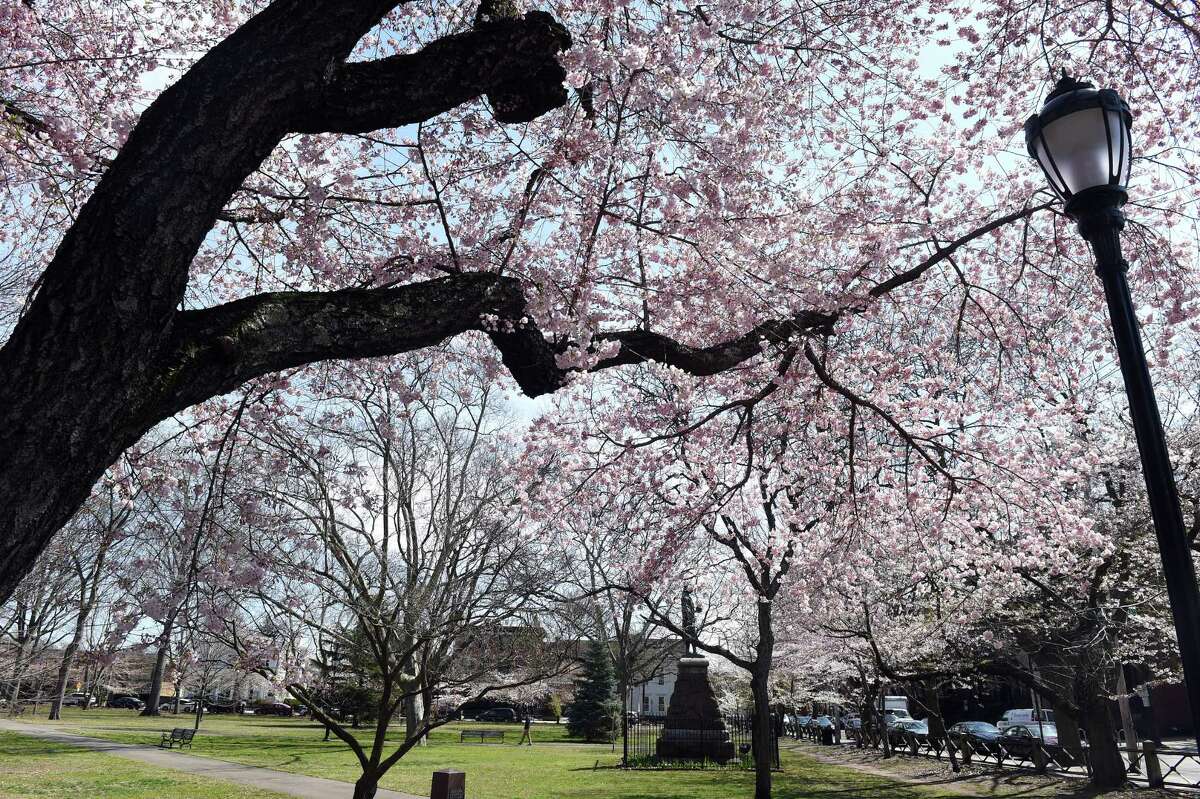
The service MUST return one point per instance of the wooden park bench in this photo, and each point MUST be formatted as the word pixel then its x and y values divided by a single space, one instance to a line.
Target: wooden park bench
pixel 179 735
pixel 482 735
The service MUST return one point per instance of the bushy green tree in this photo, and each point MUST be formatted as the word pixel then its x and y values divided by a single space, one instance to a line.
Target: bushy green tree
pixel 554 704
pixel 594 712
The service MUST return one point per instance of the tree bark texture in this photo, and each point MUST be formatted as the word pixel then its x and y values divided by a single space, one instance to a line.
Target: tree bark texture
pixel 1067 722
pixel 366 786
pixel 1108 767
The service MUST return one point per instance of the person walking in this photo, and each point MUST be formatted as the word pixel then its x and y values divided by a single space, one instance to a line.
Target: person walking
pixel 526 737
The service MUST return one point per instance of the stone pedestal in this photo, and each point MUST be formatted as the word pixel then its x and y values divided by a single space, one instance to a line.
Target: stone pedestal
pixel 694 729
pixel 449 784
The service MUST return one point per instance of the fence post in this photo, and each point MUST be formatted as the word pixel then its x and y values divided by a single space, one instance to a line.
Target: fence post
pixel 1039 758
pixel 1153 767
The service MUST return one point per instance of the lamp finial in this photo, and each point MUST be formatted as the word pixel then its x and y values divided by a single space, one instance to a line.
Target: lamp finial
pixel 1066 84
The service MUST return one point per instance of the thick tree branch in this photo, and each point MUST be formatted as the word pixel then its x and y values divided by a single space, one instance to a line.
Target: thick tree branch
pixel 513 61
pixel 213 351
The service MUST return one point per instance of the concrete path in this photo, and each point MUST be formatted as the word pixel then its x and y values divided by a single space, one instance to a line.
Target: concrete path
pixel 280 781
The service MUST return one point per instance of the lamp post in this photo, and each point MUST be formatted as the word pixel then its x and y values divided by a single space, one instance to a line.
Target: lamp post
pixel 1081 139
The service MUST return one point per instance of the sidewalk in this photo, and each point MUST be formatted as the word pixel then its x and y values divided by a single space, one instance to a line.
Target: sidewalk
pixel 280 781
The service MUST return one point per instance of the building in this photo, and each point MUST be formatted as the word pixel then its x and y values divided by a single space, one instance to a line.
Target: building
pixel 652 697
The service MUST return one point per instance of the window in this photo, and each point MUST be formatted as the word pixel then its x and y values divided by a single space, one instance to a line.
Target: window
pixel 645 704
pixel 662 704
pixel 660 679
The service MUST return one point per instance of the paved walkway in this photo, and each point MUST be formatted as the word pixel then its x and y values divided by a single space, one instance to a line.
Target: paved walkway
pixel 280 781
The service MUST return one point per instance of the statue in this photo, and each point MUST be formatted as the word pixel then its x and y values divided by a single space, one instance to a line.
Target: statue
pixel 694 728
pixel 690 610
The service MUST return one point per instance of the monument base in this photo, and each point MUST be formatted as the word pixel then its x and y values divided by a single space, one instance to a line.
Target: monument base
pixel 694 729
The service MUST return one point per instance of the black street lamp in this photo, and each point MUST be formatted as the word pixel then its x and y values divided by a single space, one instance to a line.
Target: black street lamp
pixel 1081 139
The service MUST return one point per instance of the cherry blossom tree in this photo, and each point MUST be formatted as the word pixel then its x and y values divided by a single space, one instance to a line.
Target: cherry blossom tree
pixel 318 182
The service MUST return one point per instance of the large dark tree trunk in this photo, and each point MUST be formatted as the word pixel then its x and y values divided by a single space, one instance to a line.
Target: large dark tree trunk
pixel 366 786
pixel 1068 730
pixel 1108 767
pixel 937 724
pixel 760 686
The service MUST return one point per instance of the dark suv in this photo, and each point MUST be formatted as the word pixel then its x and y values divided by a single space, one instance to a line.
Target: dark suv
pixel 498 714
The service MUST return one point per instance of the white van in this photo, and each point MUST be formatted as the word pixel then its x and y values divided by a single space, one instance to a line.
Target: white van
pixel 895 709
pixel 1025 717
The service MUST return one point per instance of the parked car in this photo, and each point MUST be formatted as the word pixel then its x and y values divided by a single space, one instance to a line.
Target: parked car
pixel 820 722
pixel 802 721
pixel 500 714
pixel 903 728
pixel 1019 740
pixel 893 717
pixel 274 709
pixel 1023 716
pixel 853 723
pixel 631 717
pixel 78 700
pixel 126 703
pixel 979 733
pixel 1048 731
pixel 215 708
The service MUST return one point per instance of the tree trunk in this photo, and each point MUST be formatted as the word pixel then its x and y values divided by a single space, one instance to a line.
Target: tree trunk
pixel 760 687
pixel 937 724
pixel 64 668
pixel 761 734
pixel 1108 767
pixel 200 705
pixel 18 672
pixel 1068 731
pixel 366 786
pixel 88 687
pixel 413 717
pixel 156 680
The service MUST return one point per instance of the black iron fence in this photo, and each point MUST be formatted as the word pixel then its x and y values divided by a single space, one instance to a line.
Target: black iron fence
pixel 1156 766
pixel 1167 766
pixel 1025 753
pixel 644 736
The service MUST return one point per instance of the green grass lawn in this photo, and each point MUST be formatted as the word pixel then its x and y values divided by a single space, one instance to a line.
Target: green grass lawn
pixel 30 767
pixel 552 769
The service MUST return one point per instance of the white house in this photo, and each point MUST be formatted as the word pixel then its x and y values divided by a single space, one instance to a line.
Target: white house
pixel 653 697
